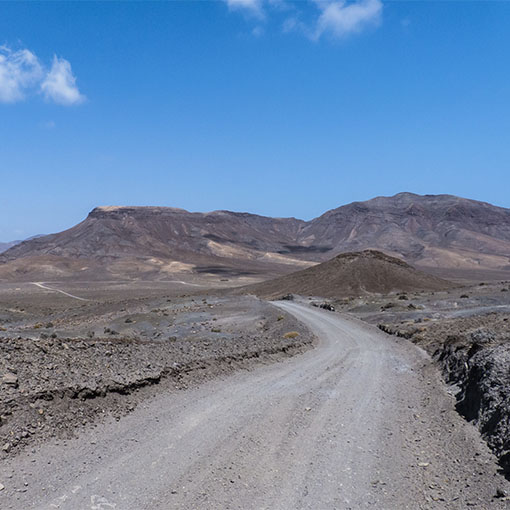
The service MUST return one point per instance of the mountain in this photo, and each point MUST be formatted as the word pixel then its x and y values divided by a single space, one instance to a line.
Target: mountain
pixel 350 274
pixel 155 242
pixel 6 246
pixel 10 244
pixel 433 232
pixel 444 234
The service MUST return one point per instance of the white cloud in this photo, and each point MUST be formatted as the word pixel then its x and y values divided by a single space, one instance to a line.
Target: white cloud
pixel 253 7
pixel 22 74
pixel 315 18
pixel 340 18
pixel 59 85
pixel 19 70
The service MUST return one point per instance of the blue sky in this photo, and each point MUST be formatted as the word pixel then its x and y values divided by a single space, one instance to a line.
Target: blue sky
pixel 272 107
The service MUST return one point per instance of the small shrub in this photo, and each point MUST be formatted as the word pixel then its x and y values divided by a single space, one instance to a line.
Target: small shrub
pixel 291 334
pixel 216 330
pixel 403 297
pixel 280 318
pixel 464 296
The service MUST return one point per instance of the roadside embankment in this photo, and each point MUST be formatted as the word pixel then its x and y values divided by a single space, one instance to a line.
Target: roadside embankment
pixel 474 355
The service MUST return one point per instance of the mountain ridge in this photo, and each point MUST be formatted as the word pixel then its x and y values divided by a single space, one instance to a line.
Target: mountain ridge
pixel 431 232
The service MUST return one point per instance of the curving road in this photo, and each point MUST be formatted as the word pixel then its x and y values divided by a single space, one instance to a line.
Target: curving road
pixel 360 421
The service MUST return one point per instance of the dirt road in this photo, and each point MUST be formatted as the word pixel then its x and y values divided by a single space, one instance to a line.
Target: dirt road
pixel 45 287
pixel 361 421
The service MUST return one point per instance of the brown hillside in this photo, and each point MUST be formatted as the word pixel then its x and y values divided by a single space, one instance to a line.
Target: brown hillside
pixel 443 234
pixel 351 274
pixel 155 243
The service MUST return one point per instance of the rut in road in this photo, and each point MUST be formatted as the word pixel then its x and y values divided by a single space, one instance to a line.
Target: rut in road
pixel 353 423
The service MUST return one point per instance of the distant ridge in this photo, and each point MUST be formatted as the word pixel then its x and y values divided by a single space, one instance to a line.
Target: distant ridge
pixel 6 246
pixel 10 244
pixel 351 274
pixel 443 234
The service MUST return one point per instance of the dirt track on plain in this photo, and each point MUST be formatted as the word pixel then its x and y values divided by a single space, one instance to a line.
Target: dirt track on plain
pixel 360 421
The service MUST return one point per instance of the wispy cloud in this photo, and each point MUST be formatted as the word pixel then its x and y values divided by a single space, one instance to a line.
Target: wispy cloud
pixel 340 18
pixel 19 70
pixel 316 18
pixel 59 85
pixel 253 7
pixel 22 74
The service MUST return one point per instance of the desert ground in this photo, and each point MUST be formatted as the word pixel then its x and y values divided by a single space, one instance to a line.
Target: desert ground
pixel 132 395
pixel 66 360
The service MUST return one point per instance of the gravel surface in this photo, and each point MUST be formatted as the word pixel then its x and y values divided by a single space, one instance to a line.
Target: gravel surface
pixel 360 421
pixel 474 355
pixel 55 386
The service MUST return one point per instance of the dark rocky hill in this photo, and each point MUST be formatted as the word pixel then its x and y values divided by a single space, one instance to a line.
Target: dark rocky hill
pixel 351 274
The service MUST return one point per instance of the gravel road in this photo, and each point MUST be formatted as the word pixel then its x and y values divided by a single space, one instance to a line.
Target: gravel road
pixel 361 421
pixel 45 287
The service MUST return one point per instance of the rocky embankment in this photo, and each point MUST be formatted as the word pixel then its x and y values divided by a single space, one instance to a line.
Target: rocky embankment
pixel 474 354
pixel 50 387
